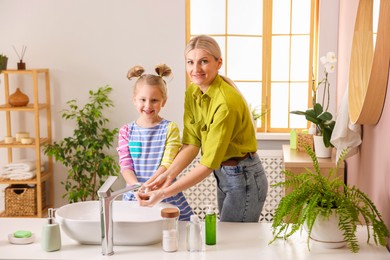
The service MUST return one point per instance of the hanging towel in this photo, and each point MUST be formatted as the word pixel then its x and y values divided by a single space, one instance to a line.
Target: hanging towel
pixel 345 134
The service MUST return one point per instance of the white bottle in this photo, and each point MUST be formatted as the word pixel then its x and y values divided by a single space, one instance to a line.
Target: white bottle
pixel 194 235
pixel 312 129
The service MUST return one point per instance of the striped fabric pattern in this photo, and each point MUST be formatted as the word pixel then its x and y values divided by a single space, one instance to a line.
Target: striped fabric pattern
pixel 142 149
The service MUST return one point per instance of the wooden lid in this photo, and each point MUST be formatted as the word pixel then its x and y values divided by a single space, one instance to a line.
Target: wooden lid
pixel 170 212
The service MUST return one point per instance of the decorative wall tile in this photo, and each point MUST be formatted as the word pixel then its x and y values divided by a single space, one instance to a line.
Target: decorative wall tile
pixel 205 192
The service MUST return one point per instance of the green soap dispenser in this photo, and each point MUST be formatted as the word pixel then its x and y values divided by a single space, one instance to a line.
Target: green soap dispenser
pixel 51 236
pixel 211 226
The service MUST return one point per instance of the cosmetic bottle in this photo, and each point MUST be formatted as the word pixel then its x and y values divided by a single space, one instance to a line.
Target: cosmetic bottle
pixel 211 226
pixel 194 234
pixel 51 236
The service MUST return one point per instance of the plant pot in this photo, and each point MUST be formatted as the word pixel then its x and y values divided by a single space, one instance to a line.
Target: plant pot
pixel 3 63
pixel 320 149
pixel 18 99
pixel 326 232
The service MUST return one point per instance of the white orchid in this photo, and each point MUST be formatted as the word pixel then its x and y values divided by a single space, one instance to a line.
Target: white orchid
pixel 329 62
pixel 319 114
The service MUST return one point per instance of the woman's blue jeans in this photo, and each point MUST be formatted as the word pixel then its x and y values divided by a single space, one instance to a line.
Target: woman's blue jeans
pixel 241 190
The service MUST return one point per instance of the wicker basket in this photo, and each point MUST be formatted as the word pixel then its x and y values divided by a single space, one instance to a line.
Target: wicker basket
pixel 20 200
pixel 304 140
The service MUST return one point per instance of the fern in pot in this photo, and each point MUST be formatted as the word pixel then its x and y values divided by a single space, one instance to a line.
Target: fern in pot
pixel 313 195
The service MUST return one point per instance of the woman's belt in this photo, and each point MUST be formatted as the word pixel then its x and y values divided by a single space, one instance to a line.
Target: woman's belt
pixel 235 160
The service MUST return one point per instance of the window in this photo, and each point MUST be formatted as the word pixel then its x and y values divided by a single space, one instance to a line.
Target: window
pixel 269 48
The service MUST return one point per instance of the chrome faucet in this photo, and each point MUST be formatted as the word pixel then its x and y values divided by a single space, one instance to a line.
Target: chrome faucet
pixel 106 223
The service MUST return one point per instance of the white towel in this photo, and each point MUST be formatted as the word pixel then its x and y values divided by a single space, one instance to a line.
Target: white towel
pixel 345 134
pixel 20 174
pixel 23 165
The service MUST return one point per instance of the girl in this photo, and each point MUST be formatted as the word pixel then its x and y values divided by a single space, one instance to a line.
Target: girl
pixel 149 144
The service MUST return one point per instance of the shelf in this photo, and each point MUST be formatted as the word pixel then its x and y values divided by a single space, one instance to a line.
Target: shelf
pixel 31 71
pixel 44 177
pixel 20 145
pixel 43 181
pixel 29 107
pixel 44 214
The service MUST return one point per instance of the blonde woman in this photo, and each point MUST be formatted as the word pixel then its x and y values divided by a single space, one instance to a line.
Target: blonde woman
pixel 217 122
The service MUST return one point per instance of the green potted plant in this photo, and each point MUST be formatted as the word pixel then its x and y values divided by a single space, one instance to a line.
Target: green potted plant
pixel 313 195
pixel 257 113
pixel 3 62
pixel 85 153
pixel 319 114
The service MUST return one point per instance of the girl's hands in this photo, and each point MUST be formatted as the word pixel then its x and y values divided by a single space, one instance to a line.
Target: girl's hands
pixel 150 198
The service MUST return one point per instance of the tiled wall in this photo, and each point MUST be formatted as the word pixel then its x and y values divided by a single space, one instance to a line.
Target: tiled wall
pixel 204 193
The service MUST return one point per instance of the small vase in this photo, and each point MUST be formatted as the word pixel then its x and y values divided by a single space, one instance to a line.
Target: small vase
pixel 319 147
pixel 18 99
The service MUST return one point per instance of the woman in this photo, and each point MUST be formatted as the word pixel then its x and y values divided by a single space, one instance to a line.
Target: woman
pixel 217 121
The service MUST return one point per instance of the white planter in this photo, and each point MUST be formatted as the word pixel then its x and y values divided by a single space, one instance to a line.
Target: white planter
pixel 319 147
pixel 326 233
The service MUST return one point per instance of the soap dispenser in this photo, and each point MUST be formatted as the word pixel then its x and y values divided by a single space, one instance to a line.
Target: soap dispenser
pixel 51 236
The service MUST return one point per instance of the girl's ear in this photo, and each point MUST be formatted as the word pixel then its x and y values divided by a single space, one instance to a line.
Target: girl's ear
pixel 163 103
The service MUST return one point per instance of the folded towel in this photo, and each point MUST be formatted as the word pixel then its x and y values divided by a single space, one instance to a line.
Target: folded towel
pixel 23 164
pixel 345 134
pixel 19 174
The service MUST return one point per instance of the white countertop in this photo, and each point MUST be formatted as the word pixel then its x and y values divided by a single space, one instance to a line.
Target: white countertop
pixel 234 241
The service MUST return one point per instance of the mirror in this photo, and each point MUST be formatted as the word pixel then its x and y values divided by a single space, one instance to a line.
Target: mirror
pixel 369 66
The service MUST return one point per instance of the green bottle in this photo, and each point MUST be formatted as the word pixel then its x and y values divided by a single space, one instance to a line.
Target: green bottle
pixel 293 139
pixel 211 226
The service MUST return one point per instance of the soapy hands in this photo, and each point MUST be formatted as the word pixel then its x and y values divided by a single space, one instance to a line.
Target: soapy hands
pixel 152 191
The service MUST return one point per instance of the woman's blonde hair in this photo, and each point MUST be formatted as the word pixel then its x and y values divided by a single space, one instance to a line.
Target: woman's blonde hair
pixel 162 71
pixel 206 43
pixel 211 46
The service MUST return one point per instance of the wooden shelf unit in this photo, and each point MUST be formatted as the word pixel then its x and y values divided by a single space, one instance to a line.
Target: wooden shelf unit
pixel 42 179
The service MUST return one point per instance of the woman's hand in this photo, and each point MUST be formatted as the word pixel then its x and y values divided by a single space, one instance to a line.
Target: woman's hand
pixel 150 198
pixel 161 181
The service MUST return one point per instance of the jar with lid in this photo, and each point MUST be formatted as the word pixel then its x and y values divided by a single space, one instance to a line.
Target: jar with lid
pixel 170 234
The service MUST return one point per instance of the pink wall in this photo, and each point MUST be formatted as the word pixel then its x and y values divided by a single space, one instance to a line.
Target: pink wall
pixel 370 168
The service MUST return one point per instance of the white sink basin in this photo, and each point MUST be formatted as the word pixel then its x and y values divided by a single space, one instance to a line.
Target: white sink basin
pixel 133 224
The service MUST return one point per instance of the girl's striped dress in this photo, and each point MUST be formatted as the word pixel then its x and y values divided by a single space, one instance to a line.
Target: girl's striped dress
pixel 143 150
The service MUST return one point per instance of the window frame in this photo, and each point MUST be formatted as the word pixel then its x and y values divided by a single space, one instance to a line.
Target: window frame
pixel 266 58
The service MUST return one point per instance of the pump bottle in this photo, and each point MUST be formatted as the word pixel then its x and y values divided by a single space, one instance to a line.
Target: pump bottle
pixel 211 226
pixel 51 236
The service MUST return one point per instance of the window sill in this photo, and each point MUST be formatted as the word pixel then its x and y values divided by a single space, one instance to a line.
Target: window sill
pixel 273 136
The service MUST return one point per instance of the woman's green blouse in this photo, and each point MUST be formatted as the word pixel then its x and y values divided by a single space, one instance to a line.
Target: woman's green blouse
pixel 218 122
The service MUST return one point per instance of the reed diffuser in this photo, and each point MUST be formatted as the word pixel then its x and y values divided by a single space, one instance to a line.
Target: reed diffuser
pixel 21 64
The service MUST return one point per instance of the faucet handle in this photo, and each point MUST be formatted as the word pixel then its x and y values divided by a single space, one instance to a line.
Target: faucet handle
pixel 104 190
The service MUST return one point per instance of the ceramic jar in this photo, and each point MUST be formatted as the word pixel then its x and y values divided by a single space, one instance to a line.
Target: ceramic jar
pixel 18 99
